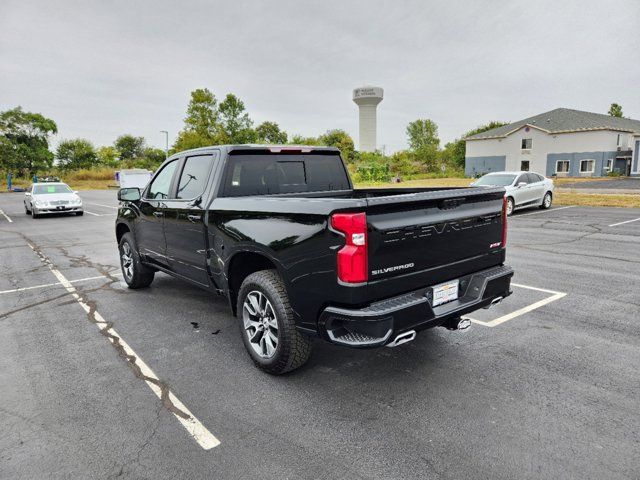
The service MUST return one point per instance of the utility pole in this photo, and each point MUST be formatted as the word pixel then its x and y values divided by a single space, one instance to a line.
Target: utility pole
pixel 166 143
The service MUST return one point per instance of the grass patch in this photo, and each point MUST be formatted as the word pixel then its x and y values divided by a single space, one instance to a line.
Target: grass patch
pixel 87 179
pixel 597 200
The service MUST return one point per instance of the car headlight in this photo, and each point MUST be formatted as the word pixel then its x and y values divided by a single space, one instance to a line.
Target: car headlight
pixel 76 201
pixel 41 203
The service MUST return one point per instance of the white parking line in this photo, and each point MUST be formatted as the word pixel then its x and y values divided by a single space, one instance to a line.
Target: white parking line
pixel 510 316
pixel 622 223
pixel 196 429
pixel 100 214
pixel 101 205
pixel 542 211
pixel 86 279
pixel 5 216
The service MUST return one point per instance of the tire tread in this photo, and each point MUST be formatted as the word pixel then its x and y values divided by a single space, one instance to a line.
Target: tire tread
pixel 296 347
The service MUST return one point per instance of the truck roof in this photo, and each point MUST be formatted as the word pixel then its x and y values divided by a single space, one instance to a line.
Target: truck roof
pixel 256 146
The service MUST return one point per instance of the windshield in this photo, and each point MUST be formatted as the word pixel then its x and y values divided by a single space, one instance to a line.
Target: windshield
pixel 495 180
pixel 44 189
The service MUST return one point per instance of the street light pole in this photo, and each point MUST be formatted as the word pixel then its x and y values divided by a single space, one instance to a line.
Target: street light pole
pixel 166 143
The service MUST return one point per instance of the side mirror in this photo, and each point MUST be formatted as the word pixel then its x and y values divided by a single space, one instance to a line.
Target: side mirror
pixel 131 194
pixel 522 184
pixel 76 192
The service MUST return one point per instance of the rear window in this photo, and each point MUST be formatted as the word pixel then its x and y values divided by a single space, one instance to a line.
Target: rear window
pixel 264 174
pixel 495 180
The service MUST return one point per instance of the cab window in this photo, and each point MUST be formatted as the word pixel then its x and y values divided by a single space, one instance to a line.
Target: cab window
pixel 532 178
pixel 193 179
pixel 161 184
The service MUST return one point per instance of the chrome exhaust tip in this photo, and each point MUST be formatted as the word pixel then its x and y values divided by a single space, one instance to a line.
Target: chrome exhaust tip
pixel 494 302
pixel 405 337
pixel 457 324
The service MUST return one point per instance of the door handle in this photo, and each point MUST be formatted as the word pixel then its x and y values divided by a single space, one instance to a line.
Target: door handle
pixel 158 214
pixel 194 218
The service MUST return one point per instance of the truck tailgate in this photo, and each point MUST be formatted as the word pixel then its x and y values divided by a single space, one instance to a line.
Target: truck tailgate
pixel 416 236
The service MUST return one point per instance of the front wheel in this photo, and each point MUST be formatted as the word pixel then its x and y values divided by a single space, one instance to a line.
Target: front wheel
pixel 267 324
pixel 135 274
pixel 546 201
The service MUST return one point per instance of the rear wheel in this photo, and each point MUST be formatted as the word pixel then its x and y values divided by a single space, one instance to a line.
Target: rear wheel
pixel 510 206
pixel 135 273
pixel 546 201
pixel 267 324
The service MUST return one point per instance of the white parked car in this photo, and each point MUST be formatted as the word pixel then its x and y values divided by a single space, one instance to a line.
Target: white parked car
pixel 524 189
pixel 55 197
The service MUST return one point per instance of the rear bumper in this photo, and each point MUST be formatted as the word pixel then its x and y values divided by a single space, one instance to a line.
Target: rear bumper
pixel 380 322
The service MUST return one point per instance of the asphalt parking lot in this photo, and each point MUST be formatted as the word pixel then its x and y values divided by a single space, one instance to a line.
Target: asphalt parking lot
pixel 545 385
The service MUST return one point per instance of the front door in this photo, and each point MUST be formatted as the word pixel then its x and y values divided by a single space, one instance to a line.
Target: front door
pixel 184 222
pixel 149 232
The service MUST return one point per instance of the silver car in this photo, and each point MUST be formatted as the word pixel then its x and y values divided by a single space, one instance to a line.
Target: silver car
pixel 45 198
pixel 524 189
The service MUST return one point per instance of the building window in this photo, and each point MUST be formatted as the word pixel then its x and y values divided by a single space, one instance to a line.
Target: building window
pixel 619 137
pixel 524 165
pixel 562 166
pixel 587 166
pixel 526 143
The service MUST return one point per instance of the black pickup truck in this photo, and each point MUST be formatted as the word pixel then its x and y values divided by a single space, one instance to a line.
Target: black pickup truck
pixel 299 253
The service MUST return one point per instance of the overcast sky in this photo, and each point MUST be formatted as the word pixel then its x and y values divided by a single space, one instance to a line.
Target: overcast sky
pixel 100 69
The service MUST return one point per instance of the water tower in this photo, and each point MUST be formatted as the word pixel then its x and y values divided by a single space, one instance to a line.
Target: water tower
pixel 367 99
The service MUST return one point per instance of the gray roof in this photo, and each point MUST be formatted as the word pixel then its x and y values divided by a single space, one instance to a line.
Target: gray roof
pixel 563 120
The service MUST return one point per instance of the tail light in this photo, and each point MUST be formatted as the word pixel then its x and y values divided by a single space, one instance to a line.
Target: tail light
pixel 352 258
pixel 504 221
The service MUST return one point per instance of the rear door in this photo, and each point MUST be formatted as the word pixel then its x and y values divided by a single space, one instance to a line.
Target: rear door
pixel 184 221
pixel 422 243
pixel 149 230
pixel 536 187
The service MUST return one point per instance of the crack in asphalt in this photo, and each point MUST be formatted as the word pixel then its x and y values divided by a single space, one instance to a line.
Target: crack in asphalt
pixel 104 327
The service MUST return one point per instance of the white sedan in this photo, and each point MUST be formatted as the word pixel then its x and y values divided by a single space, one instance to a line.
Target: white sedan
pixel 45 198
pixel 523 189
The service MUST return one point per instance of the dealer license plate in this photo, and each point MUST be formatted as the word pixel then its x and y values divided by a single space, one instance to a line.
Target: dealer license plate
pixel 445 292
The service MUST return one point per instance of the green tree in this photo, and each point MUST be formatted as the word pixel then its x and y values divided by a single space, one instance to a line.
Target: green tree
pixel 298 139
pixel 235 124
pixel 269 132
pixel 108 156
pixel 130 147
pixel 202 113
pixel 24 141
pixel 341 140
pixel 154 157
pixel 422 133
pixel 615 110
pixel 75 154
pixel 188 139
